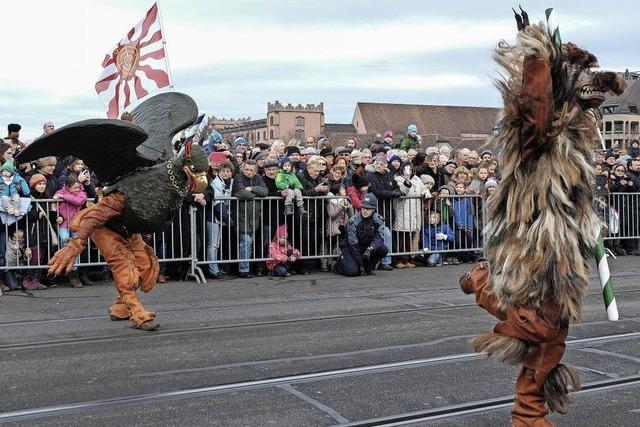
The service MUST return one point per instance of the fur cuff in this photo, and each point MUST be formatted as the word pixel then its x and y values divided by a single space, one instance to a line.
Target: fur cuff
pixel 506 349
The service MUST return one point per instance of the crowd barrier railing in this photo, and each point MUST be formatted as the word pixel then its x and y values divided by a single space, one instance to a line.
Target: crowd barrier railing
pixel 234 230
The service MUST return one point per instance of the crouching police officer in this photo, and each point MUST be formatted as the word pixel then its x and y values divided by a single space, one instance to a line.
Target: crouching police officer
pixel 363 246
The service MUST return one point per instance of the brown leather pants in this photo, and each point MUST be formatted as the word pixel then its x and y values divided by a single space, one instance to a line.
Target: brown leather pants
pixel 133 265
pixel 544 333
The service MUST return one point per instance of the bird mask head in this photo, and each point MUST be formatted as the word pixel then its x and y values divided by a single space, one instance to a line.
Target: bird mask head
pixel 193 159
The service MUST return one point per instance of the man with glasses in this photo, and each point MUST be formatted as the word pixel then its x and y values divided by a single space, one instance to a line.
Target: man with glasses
pixel 473 159
pixel 367 157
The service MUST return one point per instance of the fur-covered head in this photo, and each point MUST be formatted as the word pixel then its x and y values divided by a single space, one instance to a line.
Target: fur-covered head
pixel 541 225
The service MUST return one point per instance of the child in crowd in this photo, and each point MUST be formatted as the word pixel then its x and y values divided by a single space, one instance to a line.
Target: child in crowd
pixel 480 175
pixel 72 198
pixel 17 254
pixel 9 184
pixel 444 207
pixel 282 256
pixel 356 191
pixel 489 187
pixel 436 237
pixel 40 232
pixel 289 185
pixel 463 220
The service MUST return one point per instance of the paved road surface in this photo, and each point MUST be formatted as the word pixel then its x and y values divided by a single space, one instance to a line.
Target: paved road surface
pixel 315 350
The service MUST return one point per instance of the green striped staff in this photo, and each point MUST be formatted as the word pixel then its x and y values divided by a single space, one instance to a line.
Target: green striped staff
pixel 605 280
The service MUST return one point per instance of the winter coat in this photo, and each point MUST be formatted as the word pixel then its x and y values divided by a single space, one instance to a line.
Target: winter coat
pixel 633 152
pixel 355 195
pixel 308 189
pixel 462 212
pixel 38 228
pixel 70 206
pixel 285 180
pixel 339 211
pixel 429 240
pixel 364 233
pixel 279 254
pixel 215 193
pixel 12 189
pixel 385 188
pixel 409 142
pixel 408 211
pixel 249 210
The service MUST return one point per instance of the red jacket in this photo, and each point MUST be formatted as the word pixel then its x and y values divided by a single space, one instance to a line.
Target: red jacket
pixel 356 197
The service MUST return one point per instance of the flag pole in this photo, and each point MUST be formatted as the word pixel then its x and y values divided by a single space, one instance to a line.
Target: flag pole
pixel 164 46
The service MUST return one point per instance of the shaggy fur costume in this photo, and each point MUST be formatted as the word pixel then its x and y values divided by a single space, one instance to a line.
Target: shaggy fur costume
pixel 541 225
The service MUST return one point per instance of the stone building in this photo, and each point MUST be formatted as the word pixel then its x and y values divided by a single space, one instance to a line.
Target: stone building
pixel 620 118
pixel 283 122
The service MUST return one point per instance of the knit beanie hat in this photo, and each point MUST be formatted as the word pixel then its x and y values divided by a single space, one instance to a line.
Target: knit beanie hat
pixel 215 138
pixel 285 160
pixel 431 150
pixel 36 179
pixel 281 231
pixel 490 183
pixel 8 166
pixel 388 134
pixel 412 128
pixel 427 178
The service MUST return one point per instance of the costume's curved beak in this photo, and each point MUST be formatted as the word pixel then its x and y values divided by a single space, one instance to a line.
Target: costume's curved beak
pixel 197 180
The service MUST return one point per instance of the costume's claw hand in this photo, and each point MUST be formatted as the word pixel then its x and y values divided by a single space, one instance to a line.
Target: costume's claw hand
pixel 63 260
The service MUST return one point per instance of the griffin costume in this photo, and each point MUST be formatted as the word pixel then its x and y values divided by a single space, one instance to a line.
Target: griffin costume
pixel 541 223
pixel 146 186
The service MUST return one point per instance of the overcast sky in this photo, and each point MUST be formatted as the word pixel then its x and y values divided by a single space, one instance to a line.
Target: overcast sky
pixel 233 57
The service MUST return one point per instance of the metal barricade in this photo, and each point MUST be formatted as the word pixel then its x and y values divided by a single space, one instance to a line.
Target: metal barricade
pixel 234 230
pixel 45 238
pixel 239 231
pixel 620 213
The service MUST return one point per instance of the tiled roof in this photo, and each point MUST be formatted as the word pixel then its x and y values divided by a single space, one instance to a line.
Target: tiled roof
pixel 445 120
pixel 330 128
pixel 624 103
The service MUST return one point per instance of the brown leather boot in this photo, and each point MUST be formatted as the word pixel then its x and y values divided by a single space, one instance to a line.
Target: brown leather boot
pixel 529 407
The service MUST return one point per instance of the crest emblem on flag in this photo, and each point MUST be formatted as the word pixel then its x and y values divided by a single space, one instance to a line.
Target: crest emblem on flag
pixel 136 67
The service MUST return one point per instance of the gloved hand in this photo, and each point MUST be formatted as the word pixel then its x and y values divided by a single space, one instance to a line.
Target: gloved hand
pixel 367 252
pixel 62 261
pixel 441 236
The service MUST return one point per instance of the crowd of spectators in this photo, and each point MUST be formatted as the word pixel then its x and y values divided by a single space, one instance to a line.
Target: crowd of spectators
pixel 282 208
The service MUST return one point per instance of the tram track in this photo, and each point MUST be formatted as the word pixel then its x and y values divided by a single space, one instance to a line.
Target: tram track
pixel 431 414
pixel 135 334
pixel 479 406
pixel 378 296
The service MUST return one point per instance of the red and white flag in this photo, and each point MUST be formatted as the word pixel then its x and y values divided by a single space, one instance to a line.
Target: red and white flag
pixel 136 67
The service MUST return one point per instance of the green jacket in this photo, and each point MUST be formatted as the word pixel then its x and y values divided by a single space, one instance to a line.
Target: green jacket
pixel 409 142
pixel 286 180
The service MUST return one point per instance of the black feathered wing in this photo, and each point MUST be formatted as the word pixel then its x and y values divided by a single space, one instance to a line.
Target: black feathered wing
pixel 107 146
pixel 162 116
